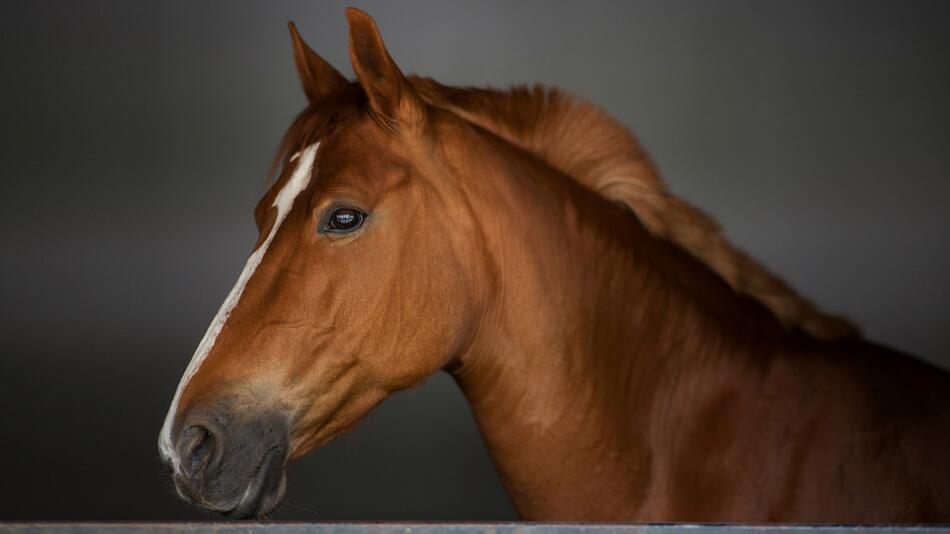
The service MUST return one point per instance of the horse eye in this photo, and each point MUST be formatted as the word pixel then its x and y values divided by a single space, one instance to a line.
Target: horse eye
pixel 344 220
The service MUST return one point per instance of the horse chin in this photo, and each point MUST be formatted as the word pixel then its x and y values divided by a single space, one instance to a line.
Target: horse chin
pixel 264 490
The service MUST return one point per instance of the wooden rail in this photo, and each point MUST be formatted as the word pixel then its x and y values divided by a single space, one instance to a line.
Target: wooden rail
pixel 454 528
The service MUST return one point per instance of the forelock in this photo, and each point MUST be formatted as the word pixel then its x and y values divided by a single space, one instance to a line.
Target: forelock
pixel 319 121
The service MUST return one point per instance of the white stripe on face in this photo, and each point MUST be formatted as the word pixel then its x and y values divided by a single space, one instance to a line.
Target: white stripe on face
pixel 283 202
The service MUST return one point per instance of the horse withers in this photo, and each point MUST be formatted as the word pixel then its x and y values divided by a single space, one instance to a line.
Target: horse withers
pixel 624 362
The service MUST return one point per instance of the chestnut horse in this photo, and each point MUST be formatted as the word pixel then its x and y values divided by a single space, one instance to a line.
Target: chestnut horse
pixel 624 362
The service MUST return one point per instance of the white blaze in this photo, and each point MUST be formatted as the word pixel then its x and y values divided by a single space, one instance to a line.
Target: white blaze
pixel 283 202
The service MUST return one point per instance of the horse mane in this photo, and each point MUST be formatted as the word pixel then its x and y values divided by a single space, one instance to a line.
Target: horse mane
pixel 585 143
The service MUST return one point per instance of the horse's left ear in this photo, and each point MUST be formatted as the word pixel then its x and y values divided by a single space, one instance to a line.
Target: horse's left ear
pixel 317 77
pixel 390 95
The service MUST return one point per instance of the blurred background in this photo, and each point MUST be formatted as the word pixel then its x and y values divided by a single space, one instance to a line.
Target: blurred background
pixel 134 139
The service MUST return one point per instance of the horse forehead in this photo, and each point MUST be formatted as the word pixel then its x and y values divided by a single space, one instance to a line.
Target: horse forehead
pixel 287 193
pixel 364 157
pixel 359 139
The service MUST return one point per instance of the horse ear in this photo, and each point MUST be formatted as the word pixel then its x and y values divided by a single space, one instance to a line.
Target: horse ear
pixel 318 77
pixel 390 95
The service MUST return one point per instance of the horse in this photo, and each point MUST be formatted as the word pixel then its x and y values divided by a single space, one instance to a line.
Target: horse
pixel 623 360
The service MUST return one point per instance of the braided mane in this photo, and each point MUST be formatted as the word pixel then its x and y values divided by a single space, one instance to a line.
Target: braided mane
pixel 585 143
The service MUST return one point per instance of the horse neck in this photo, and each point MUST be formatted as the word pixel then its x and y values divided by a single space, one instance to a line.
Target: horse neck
pixel 590 320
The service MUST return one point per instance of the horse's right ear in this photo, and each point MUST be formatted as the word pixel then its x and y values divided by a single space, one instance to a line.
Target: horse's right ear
pixel 317 77
pixel 390 96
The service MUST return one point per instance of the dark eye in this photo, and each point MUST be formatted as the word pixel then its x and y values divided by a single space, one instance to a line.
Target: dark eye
pixel 344 220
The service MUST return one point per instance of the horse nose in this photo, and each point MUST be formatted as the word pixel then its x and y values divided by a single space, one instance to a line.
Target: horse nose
pixel 231 461
pixel 196 448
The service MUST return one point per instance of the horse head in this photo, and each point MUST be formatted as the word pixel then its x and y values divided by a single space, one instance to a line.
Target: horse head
pixel 354 289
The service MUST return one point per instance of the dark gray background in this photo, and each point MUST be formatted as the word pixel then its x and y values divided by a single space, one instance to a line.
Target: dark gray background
pixel 134 139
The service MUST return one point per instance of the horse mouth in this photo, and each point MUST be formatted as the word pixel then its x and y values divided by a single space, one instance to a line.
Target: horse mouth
pixel 265 489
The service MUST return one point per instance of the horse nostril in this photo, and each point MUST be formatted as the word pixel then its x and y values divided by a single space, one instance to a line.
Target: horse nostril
pixel 195 449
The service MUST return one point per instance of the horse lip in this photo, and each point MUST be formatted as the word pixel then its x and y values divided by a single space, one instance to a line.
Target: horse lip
pixel 252 499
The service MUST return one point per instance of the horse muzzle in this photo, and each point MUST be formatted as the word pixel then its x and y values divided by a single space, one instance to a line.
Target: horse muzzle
pixel 231 463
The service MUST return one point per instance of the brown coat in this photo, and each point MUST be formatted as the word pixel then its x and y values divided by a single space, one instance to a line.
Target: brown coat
pixel 623 360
